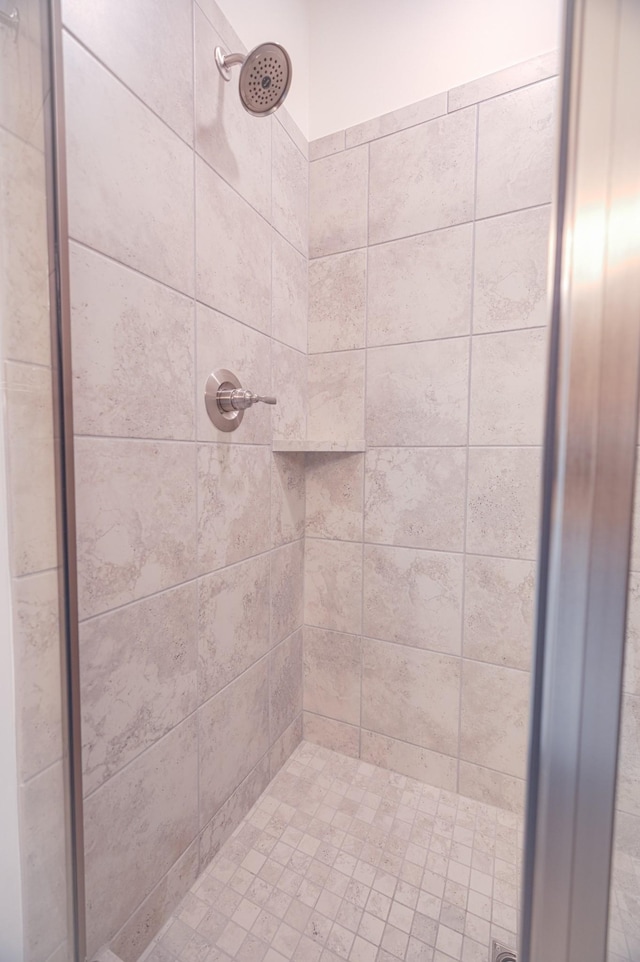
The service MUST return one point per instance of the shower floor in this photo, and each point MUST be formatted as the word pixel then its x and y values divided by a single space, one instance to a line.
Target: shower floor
pixel 339 859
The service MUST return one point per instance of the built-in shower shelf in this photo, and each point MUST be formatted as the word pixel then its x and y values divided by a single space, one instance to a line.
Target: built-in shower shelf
pixel 304 444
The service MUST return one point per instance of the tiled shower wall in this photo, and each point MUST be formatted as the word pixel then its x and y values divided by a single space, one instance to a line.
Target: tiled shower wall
pixel 188 226
pixel 427 311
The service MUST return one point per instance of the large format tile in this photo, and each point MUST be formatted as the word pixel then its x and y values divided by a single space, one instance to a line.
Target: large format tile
pixel 233 623
pixel 131 39
pixel 329 144
pixel 287 498
pixel 516 136
pixel 337 302
pixel 233 252
pixel 502 511
pixel 234 508
pixel 338 202
pixel 23 75
pixel 289 386
pixel 492 788
pixel 290 173
pixel 138 678
pixel 285 684
pixel 395 120
pixel 332 734
pixel 411 760
pixel 133 360
pixel 334 496
pixel 402 485
pixel 419 288
pixel 135 504
pixel 332 674
pixel 494 717
pixel 411 695
pixel 510 271
pixel 632 648
pixel 230 814
pixel 502 81
pixel 234 735
pixel 130 177
pixel 628 782
pixel 498 611
pixel 417 393
pixel 333 585
pixel 422 178
pixel 514 414
pixel 413 597
pixel 136 827
pixel 290 284
pixel 287 590
pixel 336 395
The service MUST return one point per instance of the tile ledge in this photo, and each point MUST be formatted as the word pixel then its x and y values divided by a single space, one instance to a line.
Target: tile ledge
pixel 285 445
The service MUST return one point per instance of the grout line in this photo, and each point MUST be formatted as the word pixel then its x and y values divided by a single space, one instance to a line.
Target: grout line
pixel 434 340
pixel 454 552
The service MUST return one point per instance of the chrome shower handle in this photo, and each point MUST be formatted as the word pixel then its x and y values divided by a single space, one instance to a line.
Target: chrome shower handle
pixel 236 399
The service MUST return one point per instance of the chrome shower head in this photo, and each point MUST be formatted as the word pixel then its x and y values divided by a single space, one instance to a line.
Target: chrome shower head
pixel 265 76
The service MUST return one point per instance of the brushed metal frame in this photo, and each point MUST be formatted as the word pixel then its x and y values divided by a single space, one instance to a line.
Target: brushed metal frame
pixel 589 472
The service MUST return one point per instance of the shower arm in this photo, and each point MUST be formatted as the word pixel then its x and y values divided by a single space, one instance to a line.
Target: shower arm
pixel 226 60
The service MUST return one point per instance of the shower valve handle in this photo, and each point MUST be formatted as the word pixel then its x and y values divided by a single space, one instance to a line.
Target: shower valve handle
pixel 236 399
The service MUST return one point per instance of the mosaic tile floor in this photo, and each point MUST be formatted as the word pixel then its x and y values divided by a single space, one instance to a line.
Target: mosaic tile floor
pixel 341 860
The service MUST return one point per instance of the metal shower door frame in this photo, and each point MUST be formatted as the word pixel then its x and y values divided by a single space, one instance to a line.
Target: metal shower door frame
pixel 588 485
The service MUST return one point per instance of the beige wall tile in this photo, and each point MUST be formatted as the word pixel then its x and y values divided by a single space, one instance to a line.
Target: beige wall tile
pixel 287 498
pixel 23 80
pixel 333 585
pixel 336 395
pixel 494 717
pixel 135 504
pixel 128 382
pixel 285 684
pixel 422 178
pixel 492 788
pixel 413 597
pixel 508 387
pixel 287 590
pixel 289 386
pixel 323 146
pixel 396 120
pixel 411 695
pixel 283 746
pixel 417 393
pixel 401 487
pixel 138 679
pixel 332 734
pixel 337 302
pixel 234 508
pixel 420 287
pixel 290 172
pixel 430 767
pixel 334 496
pixel 502 81
pixel 338 202
pixel 230 814
pixel 332 674
pixel 290 294
pixel 499 610
pixel 628 786
pixel 136 827
pixel 502 516
pixel 233 623
pixel 632 648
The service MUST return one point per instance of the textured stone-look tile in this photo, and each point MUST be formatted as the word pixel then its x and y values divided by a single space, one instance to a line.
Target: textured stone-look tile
pixel 417 393
pixel 234 507
pixel 498 611
pixel 135 503
pixel 133 360
pixel 337 302
pixel 402 485
pixel 502 512
pixel 413 597
pixel 287 590
pixel 31 467
pixel 411 695
pixel 290 289
pixel 494 716
pixel 233 252
pixel 136 826
pixel 332 674
pixel 419 288
pixel 396 120
pixel 26 334
pixel 336 395
pixel 130 196
pixel 333 585
pixel 230 814
pixel 330 144
pixel 411 760
pixel 503 81
pixel 422 178
pixel 233 623
pixel 225 136
pixel 224 343
pixel 37 671
pixel 290 388
pixel 334 496
pixel 131 40
pixel 516 149
pixel 290 172
pixel 138 678
pixel 492 788
pixel 44 862
pixel 284 745
pixel 333 734
pixel 22 76
pixel 338 202
pixel 628 789
pixel 234 735
pixel 287 498
pixel 516 360
pixel 632 649
pixel 285 684
pixel 510 271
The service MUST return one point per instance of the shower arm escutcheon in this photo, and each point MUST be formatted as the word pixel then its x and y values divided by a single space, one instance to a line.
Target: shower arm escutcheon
pixel 226 400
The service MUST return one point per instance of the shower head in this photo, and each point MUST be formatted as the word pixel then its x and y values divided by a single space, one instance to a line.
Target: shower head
pixel 265 76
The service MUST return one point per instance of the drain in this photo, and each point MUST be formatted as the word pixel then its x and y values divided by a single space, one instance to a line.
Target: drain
pixel 500 953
